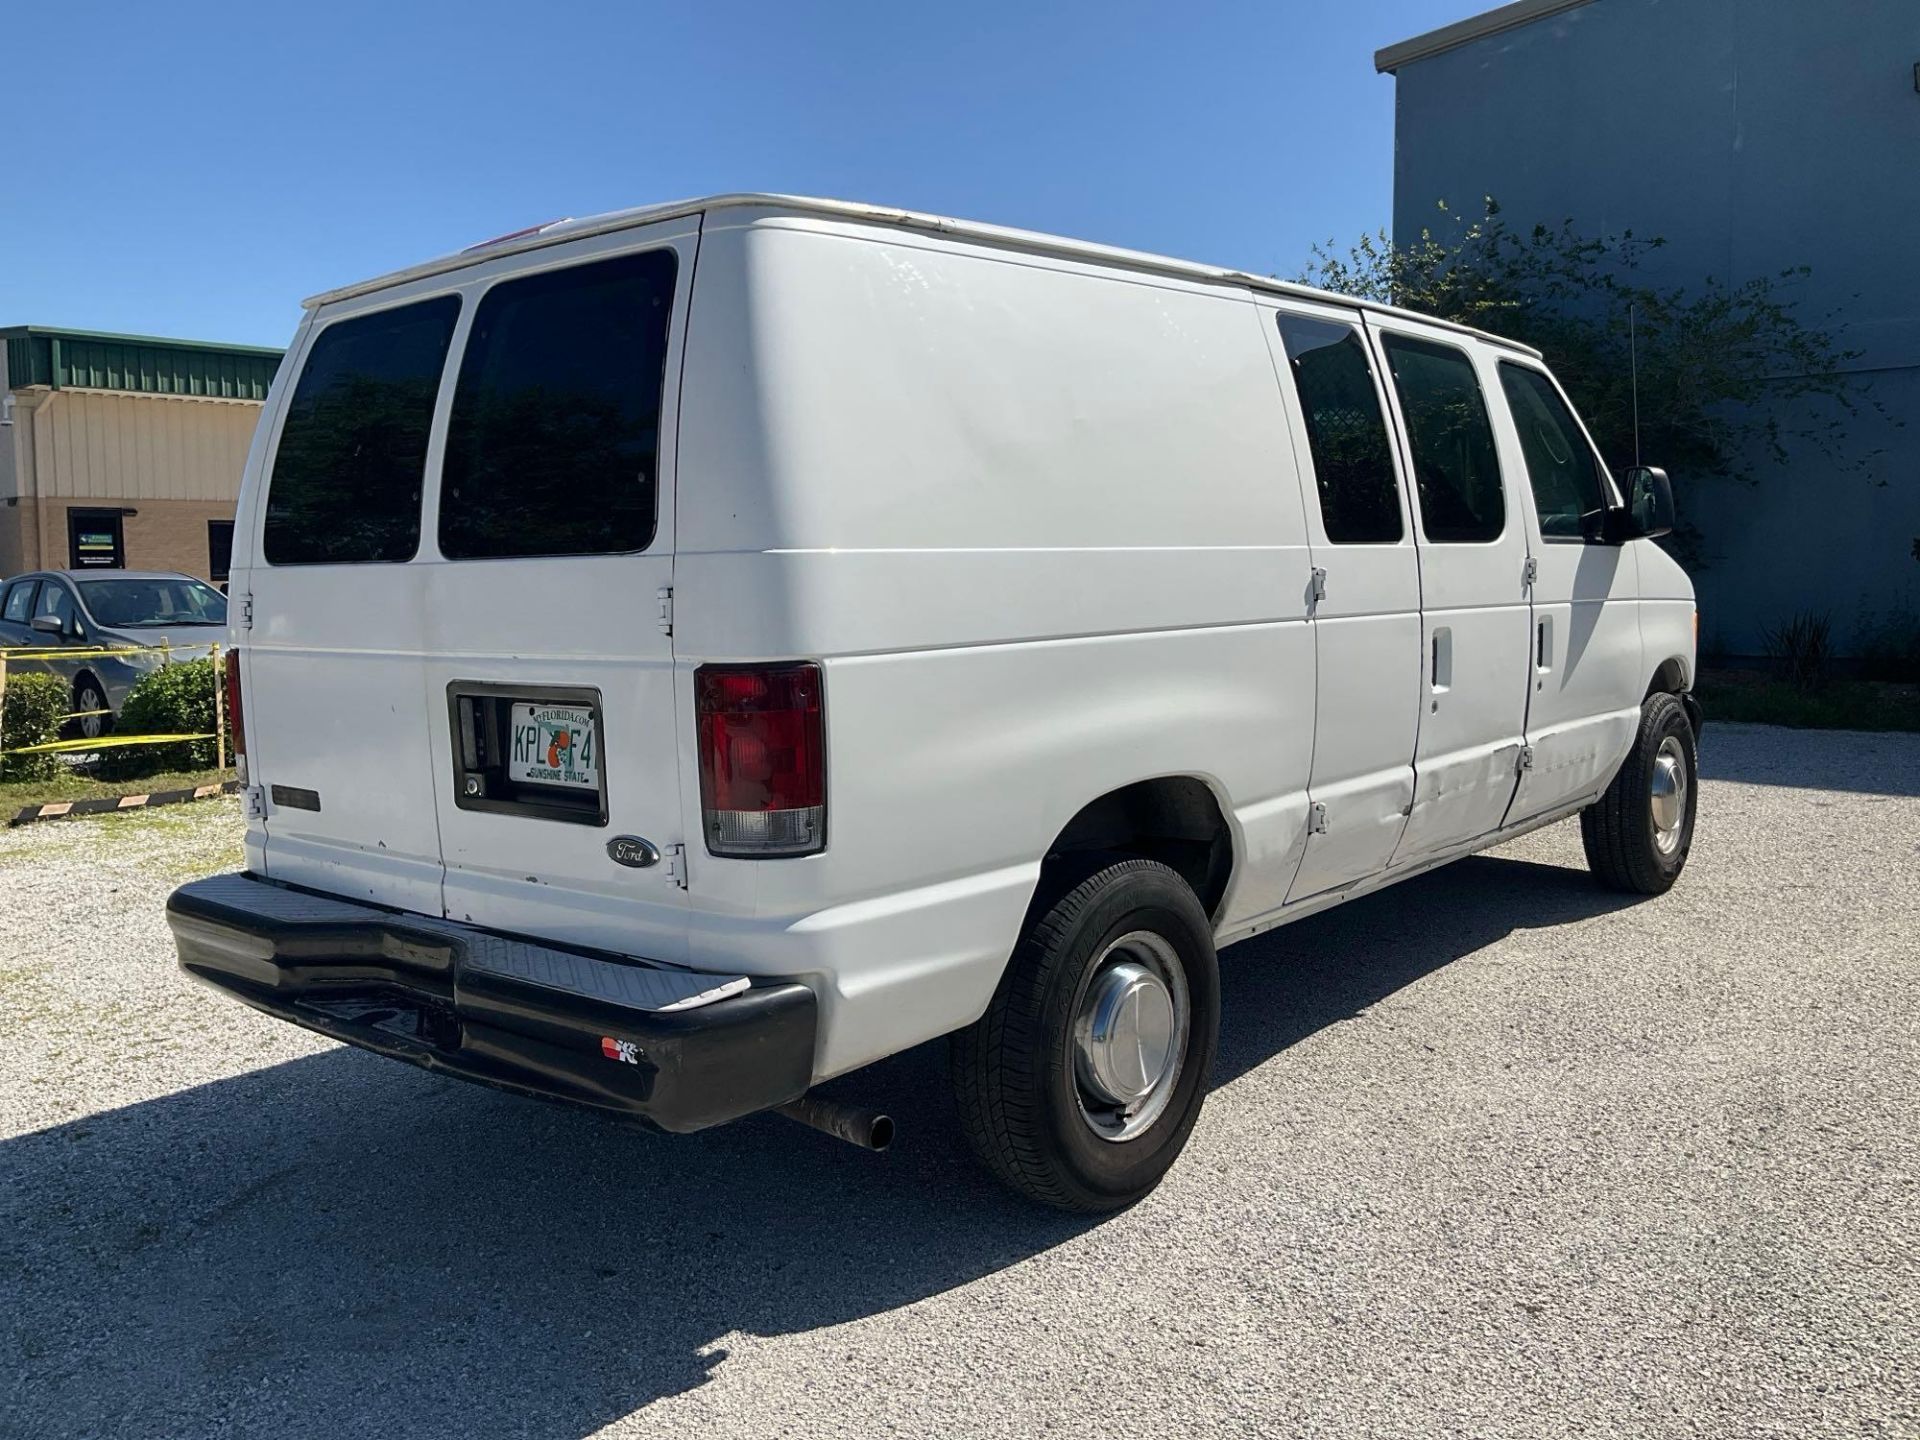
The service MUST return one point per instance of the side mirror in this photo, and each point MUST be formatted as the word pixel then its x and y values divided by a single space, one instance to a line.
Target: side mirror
pixel 1649 512
pixel 49 625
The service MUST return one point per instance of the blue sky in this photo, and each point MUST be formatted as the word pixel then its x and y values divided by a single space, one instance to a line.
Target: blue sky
pixel 196 172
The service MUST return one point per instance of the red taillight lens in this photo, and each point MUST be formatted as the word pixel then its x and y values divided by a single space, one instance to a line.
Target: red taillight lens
pixel 763 759
pixel 236 731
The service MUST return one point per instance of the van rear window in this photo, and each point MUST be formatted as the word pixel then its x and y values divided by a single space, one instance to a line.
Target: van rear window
pixel 353 449
pixel 554 441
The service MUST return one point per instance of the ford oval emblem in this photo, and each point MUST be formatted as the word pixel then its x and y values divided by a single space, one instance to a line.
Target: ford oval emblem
pixel 632 851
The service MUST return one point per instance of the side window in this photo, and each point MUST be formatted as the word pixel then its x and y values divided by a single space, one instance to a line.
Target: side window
pixel 55 600
pixel 1455 466
pixel 353 451
pixel 1561 466
pixel 1346 433
pixel 554 441
pixel 17 606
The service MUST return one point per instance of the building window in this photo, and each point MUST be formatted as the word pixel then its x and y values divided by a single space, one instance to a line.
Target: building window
pixel 554 440
pixel 96 540
pixel 219 550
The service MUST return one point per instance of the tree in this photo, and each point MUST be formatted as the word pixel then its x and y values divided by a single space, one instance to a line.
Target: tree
pixel 1726 373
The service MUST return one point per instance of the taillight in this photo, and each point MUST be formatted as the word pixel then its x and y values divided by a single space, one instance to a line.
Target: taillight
pixel 763 761
pixel 236 731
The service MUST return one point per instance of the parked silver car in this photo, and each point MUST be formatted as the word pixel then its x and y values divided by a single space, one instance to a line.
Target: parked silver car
pixel 83 613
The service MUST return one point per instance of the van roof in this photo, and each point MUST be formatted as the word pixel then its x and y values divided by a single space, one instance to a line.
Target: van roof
pixel 1002 236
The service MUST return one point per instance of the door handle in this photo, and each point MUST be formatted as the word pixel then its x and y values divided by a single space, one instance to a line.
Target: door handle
pixel 1543 644
pixel 1442 670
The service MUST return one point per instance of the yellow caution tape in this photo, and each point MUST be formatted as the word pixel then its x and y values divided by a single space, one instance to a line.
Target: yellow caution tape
pixel 106 744
pixel 73 653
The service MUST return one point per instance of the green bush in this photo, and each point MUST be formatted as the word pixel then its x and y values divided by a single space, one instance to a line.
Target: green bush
pixel 176 699
pixel 35 705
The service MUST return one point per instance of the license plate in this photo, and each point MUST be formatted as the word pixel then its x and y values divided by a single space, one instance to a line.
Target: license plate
pixel 554 745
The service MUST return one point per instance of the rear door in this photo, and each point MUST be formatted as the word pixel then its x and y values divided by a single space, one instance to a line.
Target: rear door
pixel 337 732
pixel 1475 612
pixel 548 679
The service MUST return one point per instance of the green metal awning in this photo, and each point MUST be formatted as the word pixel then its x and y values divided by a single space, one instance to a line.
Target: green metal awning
pixel 137 364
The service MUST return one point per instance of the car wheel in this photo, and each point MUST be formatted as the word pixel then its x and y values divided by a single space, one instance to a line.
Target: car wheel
pixel 1637 835
pixel 88 701
pixel 1080 1084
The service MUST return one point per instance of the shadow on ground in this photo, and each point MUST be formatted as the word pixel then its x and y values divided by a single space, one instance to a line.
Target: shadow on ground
pixel 1861 762
pixel 340 1242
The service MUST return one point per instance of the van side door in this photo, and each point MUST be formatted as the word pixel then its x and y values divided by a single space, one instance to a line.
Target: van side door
pixel 1366 605
pixel 1588 678
pixel 1476 620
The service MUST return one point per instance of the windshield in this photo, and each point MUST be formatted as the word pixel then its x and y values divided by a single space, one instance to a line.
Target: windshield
pixel 168 600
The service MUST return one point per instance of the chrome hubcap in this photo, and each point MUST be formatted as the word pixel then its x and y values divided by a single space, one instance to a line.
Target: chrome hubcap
pixel 1130 1035
pixel 91 726
pixel 1669 794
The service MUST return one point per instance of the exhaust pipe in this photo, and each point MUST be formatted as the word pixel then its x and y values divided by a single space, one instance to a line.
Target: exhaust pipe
pixel 865 1128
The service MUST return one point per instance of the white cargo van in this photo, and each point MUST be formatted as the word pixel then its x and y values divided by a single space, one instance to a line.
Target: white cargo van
pixel 688 654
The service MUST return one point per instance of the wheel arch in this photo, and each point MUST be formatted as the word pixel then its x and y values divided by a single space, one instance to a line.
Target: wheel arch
pixel 1178 820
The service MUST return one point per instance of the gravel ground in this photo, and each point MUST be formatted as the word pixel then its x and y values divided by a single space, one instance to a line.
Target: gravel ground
pixel 1492 1153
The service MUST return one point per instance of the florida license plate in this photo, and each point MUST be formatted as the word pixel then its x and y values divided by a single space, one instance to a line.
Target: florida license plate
pixel 554 745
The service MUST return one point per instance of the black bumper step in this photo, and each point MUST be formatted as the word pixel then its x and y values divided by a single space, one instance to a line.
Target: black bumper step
pixel 678 1049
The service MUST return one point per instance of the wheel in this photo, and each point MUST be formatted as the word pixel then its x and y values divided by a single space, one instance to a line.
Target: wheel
pixel 88 698
pixel 1637 834
pixel 1081 1083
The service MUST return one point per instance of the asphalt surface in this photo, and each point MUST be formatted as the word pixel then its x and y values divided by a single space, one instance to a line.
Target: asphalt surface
pixel 1492 1153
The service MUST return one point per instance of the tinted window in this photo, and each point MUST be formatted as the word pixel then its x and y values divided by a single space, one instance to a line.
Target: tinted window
pixel 1455 467
pixel 1561 466
pixel 19 601
pixel 346 480
pixel 165 600
pixel 219 550
pixel 555 433
pixel 1352 459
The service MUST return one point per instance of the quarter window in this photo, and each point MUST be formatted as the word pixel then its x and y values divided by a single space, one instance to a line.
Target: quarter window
pixel 19 601
pixel 353 450
pixel 554 443
pixel 1346 433
pixel 1561 466
pixel 1455 466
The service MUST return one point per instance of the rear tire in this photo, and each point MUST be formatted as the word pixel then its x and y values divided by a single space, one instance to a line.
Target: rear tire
pixel 1638 833
pixel 1113 991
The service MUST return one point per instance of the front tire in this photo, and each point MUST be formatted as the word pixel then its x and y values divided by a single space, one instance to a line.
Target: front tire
pixel 1081 1083
pixel 1637 835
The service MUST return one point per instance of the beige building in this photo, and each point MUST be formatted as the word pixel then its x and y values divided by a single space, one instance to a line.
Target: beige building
pixel 123 451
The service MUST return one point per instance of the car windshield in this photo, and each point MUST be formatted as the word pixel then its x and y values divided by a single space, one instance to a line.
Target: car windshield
pixel 164 600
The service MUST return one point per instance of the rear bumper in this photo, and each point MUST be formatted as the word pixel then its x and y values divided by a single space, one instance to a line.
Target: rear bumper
pixel 678 1049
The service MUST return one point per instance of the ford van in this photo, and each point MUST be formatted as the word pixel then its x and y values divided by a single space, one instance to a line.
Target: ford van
pixel 689 654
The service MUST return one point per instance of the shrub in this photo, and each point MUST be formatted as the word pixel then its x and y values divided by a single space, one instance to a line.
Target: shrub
pixel 1802 650
pixel 176 699
pixel 35 706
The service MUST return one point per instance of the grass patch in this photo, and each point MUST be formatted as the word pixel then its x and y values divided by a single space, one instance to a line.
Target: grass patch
pixel 1762 699
pixel 71 785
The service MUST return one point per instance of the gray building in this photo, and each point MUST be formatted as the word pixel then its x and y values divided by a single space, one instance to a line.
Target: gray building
pixel 1754 136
